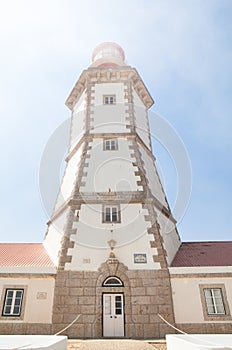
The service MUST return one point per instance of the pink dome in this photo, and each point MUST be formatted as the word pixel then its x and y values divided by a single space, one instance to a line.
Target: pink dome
pixel 107 54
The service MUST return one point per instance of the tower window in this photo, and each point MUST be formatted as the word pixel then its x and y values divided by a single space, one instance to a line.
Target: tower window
pixel 109 99
pixel 214 301
pixel 111 213
pixel 13 302
pixel 110 145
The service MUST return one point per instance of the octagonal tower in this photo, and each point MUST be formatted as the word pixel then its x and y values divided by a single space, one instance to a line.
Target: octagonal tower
pixel 107 234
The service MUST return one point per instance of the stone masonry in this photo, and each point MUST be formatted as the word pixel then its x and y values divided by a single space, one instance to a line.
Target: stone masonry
pixel 146 293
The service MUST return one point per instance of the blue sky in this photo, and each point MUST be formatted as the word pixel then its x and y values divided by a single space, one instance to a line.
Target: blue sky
pixel 182 50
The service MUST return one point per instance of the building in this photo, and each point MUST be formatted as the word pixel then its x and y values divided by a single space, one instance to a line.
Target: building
pixel 106 255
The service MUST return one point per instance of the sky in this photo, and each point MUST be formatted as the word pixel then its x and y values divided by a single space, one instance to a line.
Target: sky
pixel 183 52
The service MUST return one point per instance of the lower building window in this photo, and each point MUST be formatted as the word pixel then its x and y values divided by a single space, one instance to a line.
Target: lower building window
pixel 13 302
pixel 214 301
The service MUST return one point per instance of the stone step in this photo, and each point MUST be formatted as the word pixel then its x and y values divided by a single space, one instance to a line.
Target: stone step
pixel 115 345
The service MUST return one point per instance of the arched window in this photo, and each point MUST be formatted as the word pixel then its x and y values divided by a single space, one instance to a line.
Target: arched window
pixel 112 282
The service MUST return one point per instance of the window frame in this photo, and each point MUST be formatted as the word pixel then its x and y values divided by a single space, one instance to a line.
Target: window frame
pixel 214 302
pixel 111 206
pixel 15 289
pixel 214 316
pixel 110 140
pixel 109 97
pixel 117 285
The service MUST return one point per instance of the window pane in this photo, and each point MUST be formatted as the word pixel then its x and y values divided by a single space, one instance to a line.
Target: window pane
pixel 107 145
pixel 18 294
pixel 209 301
pixel 107 214
pixel 210 309
pixel 16 310
pixel 7 310
pixel 107 304
pixel 118 305
pixel 118 311
pixel 114 214
pixel 17 301
pixel 219 306
pixel 113 145
pixel 220 309
pixel 9 301
pixel 112 281
pixel 107 218
pixel 207 293
pixel 114 218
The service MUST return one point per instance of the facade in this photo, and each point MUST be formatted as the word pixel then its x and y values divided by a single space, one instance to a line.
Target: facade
pixel 112 253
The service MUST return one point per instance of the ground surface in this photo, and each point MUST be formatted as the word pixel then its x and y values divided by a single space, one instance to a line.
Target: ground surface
pixel 115 345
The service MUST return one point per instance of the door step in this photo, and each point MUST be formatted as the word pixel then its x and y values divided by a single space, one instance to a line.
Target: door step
pixel 116 344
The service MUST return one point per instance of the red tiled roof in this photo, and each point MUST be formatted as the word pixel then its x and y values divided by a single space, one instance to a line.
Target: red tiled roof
pixel 203 254
pixel 24 254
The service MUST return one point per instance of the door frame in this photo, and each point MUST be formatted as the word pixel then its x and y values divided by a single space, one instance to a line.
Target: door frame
pixel 124 318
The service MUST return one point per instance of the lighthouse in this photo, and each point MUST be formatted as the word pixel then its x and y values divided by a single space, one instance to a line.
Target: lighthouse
pixel 112 264
pixel 108 232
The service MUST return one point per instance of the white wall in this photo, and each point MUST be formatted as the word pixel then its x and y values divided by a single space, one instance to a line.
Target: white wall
pixel 152 176
pixel 78 121
pixel 36 310
pixel 141 120
pixel 69 178
pixel 170 235
pixel 107 170
pixel 54 235
pixel 110 169
pixel 109 118
pixel 187 300
pixel 91 248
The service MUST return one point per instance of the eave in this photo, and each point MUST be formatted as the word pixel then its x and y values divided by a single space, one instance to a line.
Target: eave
pixel 112 75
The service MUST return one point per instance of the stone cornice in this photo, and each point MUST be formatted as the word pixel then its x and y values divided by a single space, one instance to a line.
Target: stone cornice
pixel 114 197
pixel 89 136
pixel 112 75
pixel 28 271
pixel 200 271
pixel 77 90
pixel 202 275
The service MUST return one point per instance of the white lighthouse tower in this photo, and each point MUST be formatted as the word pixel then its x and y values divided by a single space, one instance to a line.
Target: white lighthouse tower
pixel 108 232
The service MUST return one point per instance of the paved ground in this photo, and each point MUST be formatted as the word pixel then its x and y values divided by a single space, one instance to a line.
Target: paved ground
pixel 114 345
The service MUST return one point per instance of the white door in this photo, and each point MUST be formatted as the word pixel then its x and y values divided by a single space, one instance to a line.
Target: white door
pixel 113 315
